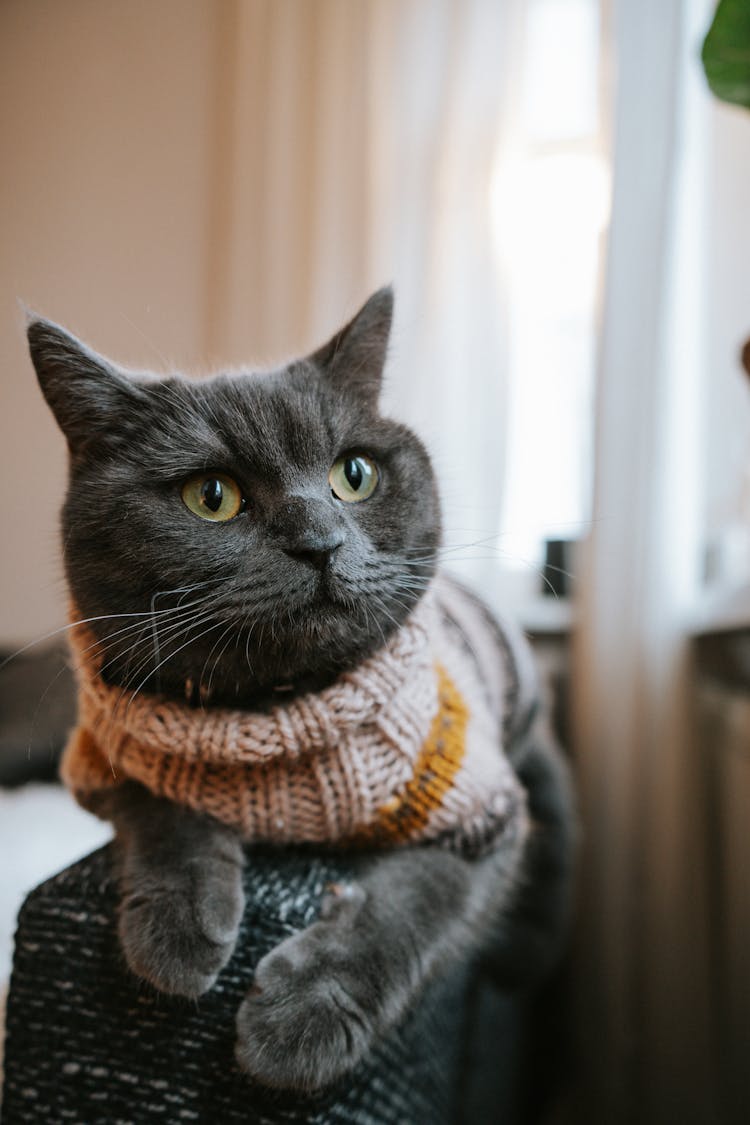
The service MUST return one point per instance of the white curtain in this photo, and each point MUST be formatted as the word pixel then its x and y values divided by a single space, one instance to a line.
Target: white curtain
pixel 642 967
pixel 357 147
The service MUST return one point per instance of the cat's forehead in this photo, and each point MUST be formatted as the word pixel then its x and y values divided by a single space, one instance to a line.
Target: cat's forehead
pixel 270 422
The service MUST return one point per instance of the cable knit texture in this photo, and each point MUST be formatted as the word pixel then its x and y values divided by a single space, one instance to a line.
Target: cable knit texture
pixel 405 748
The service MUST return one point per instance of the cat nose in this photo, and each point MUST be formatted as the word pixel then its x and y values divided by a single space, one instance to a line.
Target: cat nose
pixel 314 547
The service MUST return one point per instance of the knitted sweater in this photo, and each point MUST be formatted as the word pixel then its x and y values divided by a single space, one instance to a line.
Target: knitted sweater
pixel 408 747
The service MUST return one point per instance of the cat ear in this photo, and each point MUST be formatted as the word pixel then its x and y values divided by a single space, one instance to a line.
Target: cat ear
pixel 354 358
pixel 85 392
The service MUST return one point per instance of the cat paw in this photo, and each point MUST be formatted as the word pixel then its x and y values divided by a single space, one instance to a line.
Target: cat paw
pixel 178 934
pixel 307 1019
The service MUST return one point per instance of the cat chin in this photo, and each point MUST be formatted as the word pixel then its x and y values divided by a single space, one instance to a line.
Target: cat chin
pixel 330 599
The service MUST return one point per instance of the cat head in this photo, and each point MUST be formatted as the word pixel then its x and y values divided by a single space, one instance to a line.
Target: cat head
pixel 245 534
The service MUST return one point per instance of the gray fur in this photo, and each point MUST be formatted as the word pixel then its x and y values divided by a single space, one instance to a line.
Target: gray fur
pixel 297 588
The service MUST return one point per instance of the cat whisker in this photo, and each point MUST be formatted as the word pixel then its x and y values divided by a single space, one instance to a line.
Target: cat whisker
pixel 181 620
pixel 228 634
pixel 96 648
pixel 170 656
pixel 64 629
pixel 453 555
pixel 105 644
pixel 380 604
pixel 173 631
pixel 89 621
pixel 378 625
pixel 247 642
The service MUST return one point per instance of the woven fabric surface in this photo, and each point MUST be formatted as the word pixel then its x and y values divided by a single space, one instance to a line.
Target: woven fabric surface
pixel 88 1043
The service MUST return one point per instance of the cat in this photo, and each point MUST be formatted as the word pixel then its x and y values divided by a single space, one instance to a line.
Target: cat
pixel 244 542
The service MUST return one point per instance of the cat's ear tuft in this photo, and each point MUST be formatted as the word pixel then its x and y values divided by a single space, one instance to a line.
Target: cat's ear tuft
pixel 85 392
pixel 353 359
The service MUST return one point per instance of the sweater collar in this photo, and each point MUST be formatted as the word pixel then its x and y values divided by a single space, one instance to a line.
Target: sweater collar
pixel 393 692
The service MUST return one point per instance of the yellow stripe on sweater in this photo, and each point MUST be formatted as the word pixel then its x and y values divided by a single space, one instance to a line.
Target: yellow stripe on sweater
pixel 407 813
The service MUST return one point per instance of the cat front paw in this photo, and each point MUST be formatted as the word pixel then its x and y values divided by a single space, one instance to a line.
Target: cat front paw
pixel 179 931
pixel 307 1020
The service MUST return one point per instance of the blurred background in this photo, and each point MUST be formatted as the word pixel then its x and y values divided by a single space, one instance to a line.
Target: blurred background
pixel 562 206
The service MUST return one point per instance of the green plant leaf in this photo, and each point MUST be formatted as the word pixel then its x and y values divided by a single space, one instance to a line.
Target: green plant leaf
pixel 726 52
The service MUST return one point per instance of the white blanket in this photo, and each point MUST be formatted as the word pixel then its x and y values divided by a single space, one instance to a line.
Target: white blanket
pixel 42 830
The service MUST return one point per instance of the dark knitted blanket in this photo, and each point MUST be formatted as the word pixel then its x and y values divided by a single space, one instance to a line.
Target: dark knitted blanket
pixel 88 1043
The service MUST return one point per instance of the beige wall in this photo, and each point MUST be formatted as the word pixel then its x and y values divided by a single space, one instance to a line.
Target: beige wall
pixel 106 139
pixel 174 175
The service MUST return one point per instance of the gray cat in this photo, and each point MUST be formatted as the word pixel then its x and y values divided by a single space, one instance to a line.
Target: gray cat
pixel 289 588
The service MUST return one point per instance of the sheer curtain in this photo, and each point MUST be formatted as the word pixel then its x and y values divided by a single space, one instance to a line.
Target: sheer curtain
pixel 642 968
pixel 357 147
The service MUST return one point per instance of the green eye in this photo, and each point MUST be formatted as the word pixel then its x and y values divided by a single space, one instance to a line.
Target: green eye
pixel 212 496
pixel 353 478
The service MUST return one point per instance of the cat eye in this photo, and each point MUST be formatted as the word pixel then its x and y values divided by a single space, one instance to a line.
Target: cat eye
pixel 353 478
pixel 213 496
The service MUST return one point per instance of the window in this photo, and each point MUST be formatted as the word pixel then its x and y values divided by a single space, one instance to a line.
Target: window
pixel 550 204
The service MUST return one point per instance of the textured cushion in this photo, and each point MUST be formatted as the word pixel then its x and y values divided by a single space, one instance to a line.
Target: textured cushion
pixel 87 1042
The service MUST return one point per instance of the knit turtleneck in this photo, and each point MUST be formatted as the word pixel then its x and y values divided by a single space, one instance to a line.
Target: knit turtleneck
pixel 405 748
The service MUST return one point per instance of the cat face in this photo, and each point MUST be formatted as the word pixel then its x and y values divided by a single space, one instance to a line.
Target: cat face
pixel 265 532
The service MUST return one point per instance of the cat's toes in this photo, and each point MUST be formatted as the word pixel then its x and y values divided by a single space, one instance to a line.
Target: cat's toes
pixel 341 899
pixel 180 936
pixel 303 1025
